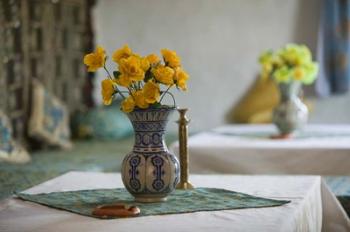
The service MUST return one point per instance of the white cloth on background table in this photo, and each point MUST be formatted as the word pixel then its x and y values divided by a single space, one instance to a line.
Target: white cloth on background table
pixel 312 206
pixel 247 149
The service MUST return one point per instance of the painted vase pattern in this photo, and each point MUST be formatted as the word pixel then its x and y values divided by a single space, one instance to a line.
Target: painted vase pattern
pixel 291 114
pixel 150 172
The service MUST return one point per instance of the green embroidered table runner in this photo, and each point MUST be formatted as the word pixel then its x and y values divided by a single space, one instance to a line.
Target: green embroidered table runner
pixel 181 201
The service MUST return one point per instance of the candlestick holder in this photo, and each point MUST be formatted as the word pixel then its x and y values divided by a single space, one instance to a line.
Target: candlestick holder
pixel 183 150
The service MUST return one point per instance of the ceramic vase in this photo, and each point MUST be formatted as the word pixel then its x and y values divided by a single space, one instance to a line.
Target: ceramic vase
pixel 291 114
pixel 150 172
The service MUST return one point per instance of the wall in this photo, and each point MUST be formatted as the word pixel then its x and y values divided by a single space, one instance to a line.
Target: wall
pixel 219 42
pixel 335 109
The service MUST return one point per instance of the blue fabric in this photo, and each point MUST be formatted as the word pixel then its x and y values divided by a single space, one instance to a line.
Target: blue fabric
pixel 340 186
pixel 6 140
pixel 334 48
pixel 103 123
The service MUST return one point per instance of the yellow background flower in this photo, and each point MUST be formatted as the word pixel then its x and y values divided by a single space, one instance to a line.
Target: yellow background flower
pixel 128 104
pixel 282 75
pixel 171 58
pixel 164 74
pixel 298 73
pixel 95 60
pixel 107 91
pixel 292 62
pixel 121 53
pixel 311 70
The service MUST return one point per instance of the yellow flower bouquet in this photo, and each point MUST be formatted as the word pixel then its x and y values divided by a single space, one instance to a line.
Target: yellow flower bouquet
pixel 290 63
pixel 138 80
pixel 290 67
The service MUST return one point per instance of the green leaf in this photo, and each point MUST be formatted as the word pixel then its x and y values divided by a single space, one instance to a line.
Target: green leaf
pixel 156 105
pixel 116 74
pixel 148 75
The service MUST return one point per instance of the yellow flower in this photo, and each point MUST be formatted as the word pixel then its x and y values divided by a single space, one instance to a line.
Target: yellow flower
pixel 121 53
pixel 171 58
pixel 123 80
pixel 153 59
pixel 95 60
pixel 151 92
pixel 145 64
pixel 181 78
pixel 164 74
pixel 140 99
pixel 131 67
pixel 128 104
pixel 107 91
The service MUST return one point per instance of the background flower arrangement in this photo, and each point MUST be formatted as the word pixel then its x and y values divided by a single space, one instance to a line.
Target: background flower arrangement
pixel 141 77
pixel 290 63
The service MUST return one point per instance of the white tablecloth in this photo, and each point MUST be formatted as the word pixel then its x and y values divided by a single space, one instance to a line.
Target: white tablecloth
pixel 322 150
pixel 313 206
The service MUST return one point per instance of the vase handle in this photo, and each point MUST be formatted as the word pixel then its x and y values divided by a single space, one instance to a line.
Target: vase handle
pixel 172 96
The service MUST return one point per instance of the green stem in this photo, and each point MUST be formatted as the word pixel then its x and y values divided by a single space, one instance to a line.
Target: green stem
pixel 130 92
pixel 110 77
pixel 140 85
pixel 160 101
pixel 134 85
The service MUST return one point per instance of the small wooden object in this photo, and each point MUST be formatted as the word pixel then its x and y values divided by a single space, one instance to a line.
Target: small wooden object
pixel 281 136
pixel 116 210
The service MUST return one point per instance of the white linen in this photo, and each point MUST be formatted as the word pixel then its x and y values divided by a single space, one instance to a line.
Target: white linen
pixel 313 206
pixel 234 149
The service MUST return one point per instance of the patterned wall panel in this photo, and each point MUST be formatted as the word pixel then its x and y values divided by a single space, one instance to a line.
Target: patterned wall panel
pixel 14 83
pixel 46 40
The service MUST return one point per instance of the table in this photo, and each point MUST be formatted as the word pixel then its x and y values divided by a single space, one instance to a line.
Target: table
pixel 313 206
pixel 247 149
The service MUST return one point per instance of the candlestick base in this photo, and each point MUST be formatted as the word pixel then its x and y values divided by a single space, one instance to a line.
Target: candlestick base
pixel 184 185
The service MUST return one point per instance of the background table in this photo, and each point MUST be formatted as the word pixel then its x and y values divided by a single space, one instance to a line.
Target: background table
pixel 313 206
pixel 247 149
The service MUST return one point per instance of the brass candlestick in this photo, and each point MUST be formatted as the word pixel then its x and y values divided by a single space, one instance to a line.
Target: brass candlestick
pixel 183 150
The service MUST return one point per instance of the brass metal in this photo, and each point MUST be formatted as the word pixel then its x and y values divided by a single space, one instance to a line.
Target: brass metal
pixel 183 150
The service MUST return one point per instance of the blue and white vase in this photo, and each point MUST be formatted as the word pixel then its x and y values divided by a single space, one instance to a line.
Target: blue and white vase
pixel 149 172
pixel 291 114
